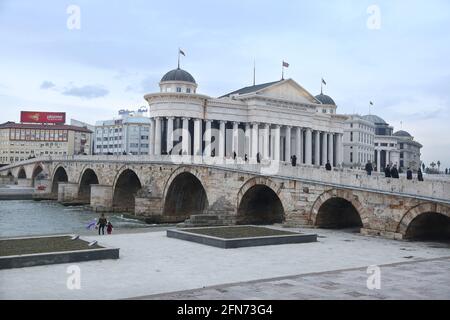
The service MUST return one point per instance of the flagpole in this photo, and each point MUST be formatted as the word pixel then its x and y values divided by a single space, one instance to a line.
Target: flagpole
pixel 282 70
pixel 179 58
pixel 254 72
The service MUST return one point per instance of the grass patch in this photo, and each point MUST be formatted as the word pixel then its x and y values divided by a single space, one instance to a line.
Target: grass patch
pixel 42 245
pixel 239 232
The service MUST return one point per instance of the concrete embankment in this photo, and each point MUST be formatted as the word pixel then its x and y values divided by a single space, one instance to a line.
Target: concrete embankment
pixel 15 193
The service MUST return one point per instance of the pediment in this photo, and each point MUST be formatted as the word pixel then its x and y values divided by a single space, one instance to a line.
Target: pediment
pixel 288 90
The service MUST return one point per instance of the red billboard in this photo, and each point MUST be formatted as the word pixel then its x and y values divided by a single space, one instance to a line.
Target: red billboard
pixel 42 117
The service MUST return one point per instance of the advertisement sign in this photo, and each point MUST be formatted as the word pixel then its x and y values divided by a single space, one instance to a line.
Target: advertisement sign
pixel 42 117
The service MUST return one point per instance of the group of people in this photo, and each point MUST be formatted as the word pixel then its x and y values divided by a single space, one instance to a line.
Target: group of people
pixel 391 171
pixel 102 223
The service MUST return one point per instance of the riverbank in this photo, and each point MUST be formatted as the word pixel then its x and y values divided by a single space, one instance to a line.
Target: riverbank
pixel 13 192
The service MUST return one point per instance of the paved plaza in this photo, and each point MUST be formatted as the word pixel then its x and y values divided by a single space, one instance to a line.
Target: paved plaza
pixel 154 266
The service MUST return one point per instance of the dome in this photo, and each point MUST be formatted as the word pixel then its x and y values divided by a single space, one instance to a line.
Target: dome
pixel 325 99
pixel 402 133
pixel 178 75
pixel 375 119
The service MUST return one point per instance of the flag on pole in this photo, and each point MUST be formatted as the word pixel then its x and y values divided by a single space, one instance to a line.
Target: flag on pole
pixel 323 81
pixel 182 52
pixel 371 103
pixel 285 64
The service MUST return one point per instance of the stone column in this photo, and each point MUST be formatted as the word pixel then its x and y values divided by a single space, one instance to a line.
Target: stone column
pixel 169 134
pixel 185 142
pixel 266 141
pixel 388 157
pixel 317 148
pixel 151 149
pixel 158 136
pixel 308 147
pixel 248 140
pixel 197 137
pixel 255 133
pixel 208 138
pixel 339 150
pixel 299 145
pixel 324 148
pixel 222 139
pixel 276 151
pixel 287 146
pixel 235 142
pixel 67 191
pixel 101 197
pixel 378 160
pixel 330 148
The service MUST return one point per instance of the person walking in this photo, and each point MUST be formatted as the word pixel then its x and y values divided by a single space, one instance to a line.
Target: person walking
pixel 102 224
pixel 419 175
pixel 394 172
pixel 409 174
pixel 258 157
pixel 234 155
pixel 387 171
pixel 294 160
pixel 109 227
pixel 328 166
pixel 369 168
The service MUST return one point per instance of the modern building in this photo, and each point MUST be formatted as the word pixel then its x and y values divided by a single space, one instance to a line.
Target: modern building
pixel 21 141
pixel 359 137
pixel 275 120
pixel 129 133
pixel 85 125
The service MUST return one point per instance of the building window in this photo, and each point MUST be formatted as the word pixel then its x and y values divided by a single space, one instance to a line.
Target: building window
pixel 178 89
pixel 188 90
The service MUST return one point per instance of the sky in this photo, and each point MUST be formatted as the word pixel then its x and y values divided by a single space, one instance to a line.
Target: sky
pixel 394 53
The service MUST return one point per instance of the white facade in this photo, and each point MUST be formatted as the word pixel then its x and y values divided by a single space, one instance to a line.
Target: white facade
pixel 409 151
pixel 271 121
pixel 128 134
pixel 359 145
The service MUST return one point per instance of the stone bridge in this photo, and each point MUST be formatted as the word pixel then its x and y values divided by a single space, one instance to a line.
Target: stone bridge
pixel 172 189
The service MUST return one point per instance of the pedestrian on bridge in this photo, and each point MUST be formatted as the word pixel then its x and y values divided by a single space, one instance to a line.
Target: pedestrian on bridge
pixel 294 160
pixel 394 172
pixel 409 174
pixel 387 171
pixel 369 168
pixel 419 175
pixel 328 166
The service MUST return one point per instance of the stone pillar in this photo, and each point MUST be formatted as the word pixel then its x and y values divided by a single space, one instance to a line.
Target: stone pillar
pixel 378 160
pixel 101 197
pixel 222 139
pixel 235 142
pixel 208 138
pixel 185 141
pixel 276 151
pixel 339 150
pixel 317 148
pixel 324 148
pixel 67 191
pixel 151 149
pixel 255 142
pixel 388 157
pixel 169 134
pixel 158 136
pixel 308 147
pixel 287 145
pixel 330 148
pixel 299 145
pixel 248 140
pixel 24 182
pixel 197 137
pixel 266 141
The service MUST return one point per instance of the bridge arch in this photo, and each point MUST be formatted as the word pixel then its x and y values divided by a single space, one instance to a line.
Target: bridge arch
pixel 126 185
pixel 88 177
pixel 184 195
pixel 426 221
pixel 336 209
pixel 21 174
pixel 37 170
pixel 259 201
pixel 59 175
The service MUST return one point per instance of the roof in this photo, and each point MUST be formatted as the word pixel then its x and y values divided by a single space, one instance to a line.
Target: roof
pixel 375 119
pixel 402 133
pixel 13 125
pixel 178 75
pixel 251 89
pixel 325 99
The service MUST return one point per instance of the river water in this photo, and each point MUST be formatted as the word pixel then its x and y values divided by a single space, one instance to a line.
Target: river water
pixel 27 217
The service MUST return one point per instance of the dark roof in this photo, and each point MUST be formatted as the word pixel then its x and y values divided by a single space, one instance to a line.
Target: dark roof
pixel 325 99
pixel 251 88
pixel 13 125
pixel 178 75
pixel 375 119
pixel 402 133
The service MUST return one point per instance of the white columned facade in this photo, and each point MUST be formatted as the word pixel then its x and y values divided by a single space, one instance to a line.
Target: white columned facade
pixel 266 141
pixel 151 149
pixel 324 148
pixel 379 160
pixel 235 142
pixel 339 150
pixel 158 136
pixel 308 147
pixel 208 138
pixel 169 134
pixel 317 148
pixel 330 148
pixel 255 133
pixel 299 145
pixel 276 155
pixel 287 145
pixel 222 139
pixel 248 140
pixel 197 137
pixel 185 142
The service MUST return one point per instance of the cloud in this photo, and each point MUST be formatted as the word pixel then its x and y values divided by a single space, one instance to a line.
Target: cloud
pixel 86 92
pixel 47 85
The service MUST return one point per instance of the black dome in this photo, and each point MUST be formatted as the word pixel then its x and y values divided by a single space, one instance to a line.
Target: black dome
pixel 178 75
pixel 325 99
pixel 402 133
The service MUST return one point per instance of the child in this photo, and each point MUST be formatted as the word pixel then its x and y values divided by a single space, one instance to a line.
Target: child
pixel 109 227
